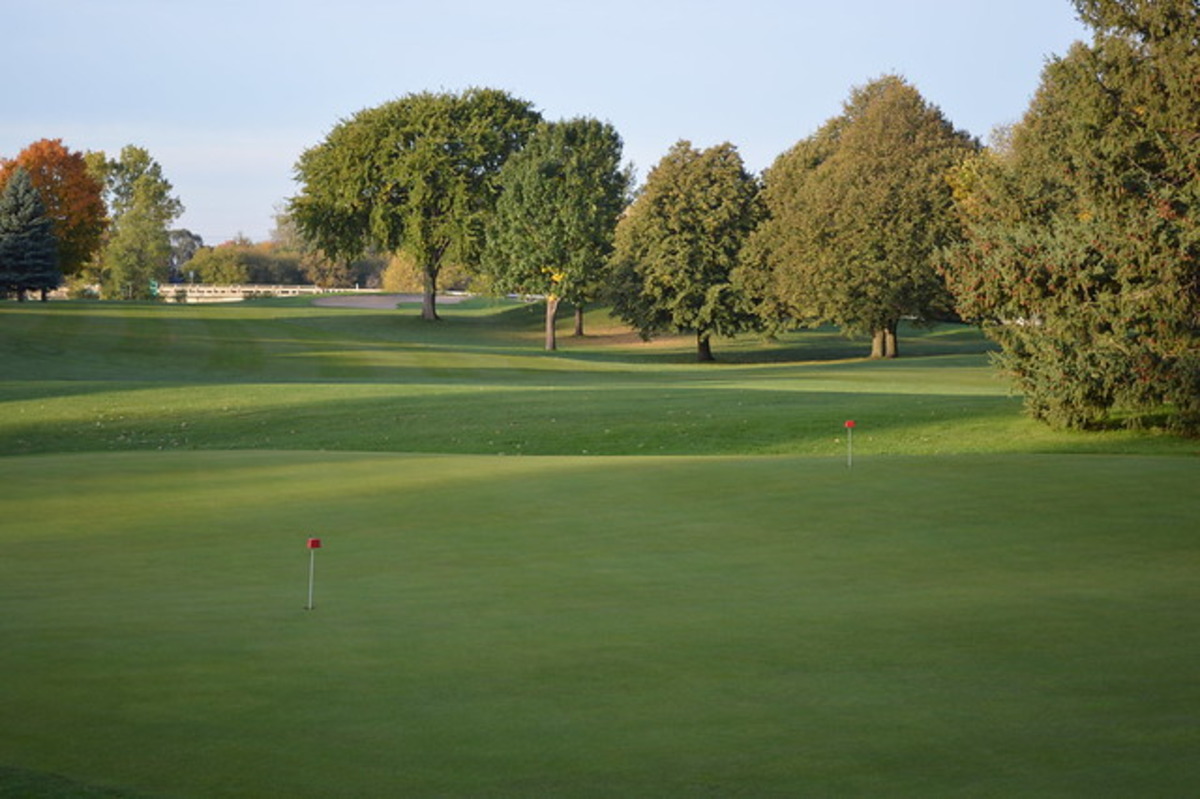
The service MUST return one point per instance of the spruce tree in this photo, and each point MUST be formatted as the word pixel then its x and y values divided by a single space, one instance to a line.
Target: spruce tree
pixel 28 250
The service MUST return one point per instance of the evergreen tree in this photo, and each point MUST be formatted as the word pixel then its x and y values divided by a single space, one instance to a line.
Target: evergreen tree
pixel 28 249
pixel 679 243
pixel 1083 250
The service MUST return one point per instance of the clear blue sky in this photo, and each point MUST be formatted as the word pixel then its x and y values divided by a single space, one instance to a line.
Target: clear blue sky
pixel 226 94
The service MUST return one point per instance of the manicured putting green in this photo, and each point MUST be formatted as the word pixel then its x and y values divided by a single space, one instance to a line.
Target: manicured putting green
pixel 992 625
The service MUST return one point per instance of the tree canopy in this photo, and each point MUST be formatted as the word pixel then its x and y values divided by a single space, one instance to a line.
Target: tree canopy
pixel 72 196
pixel 555 219
pixel 1083 251
pixel 418 173
pixel 138 250
pixel 679 243
pixel 857 214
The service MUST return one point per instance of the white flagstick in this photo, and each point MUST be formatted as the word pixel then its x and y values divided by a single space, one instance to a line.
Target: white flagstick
pixel 313 545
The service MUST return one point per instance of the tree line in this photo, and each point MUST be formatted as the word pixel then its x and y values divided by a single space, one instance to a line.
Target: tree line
pixel 1071 239
pixel 91 221
pixel 84 216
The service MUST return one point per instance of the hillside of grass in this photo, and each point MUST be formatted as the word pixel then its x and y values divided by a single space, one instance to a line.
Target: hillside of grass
pixel 110 377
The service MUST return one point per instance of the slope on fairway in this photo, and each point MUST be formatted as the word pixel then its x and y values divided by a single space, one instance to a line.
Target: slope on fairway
pixel 972 625
pixel 115 377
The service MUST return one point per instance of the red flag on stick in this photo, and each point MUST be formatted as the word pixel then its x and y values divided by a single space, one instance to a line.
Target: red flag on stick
pixel 313 545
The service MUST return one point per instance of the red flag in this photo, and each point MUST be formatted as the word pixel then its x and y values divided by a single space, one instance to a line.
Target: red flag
pixel 849 423
pixel 314 543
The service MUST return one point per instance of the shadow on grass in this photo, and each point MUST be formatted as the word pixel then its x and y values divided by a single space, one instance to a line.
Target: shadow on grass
pixel 567 420
pixel 285 343
pixel 17 783
pixel 811 345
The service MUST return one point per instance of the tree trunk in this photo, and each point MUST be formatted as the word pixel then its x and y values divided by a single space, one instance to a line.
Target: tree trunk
pixel 551 318
pixel 891 346
pixel 429 296
pixel 579 320
pixel 877 343
pixel 703 348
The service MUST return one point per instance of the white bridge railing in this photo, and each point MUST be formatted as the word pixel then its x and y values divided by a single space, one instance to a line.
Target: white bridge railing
pixel 184 292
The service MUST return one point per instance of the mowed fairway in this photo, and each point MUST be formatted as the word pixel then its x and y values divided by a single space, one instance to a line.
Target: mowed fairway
pixel 682 591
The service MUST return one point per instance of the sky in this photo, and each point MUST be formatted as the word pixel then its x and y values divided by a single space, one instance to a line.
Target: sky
pixel 226 94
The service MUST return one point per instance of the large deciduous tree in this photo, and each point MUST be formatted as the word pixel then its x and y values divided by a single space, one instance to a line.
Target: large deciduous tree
pixel 555 219
pixel 138 250
pixel 419 173
pixel 72 196
pixel 679 243
pixel 28 248
pixel 858 213
pixel 1083 252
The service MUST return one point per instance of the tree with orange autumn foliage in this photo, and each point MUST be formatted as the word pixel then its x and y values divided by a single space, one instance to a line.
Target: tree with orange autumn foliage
pixel 72 196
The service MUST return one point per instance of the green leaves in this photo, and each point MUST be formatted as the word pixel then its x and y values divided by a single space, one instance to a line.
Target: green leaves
pixel 554 222
pixel 1083 250
pixel 857 214
pixel 680 242
pixel 138 250
pixel 553 228
pixel 420 172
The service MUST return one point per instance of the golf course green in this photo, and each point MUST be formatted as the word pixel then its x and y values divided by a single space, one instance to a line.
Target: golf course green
pixel 606 571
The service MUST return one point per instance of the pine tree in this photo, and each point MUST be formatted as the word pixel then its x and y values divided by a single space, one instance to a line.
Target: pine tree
pixel 28 250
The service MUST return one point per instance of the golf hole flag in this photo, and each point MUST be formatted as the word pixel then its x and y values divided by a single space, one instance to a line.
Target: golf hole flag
pixel 313 545
pixel 849 443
